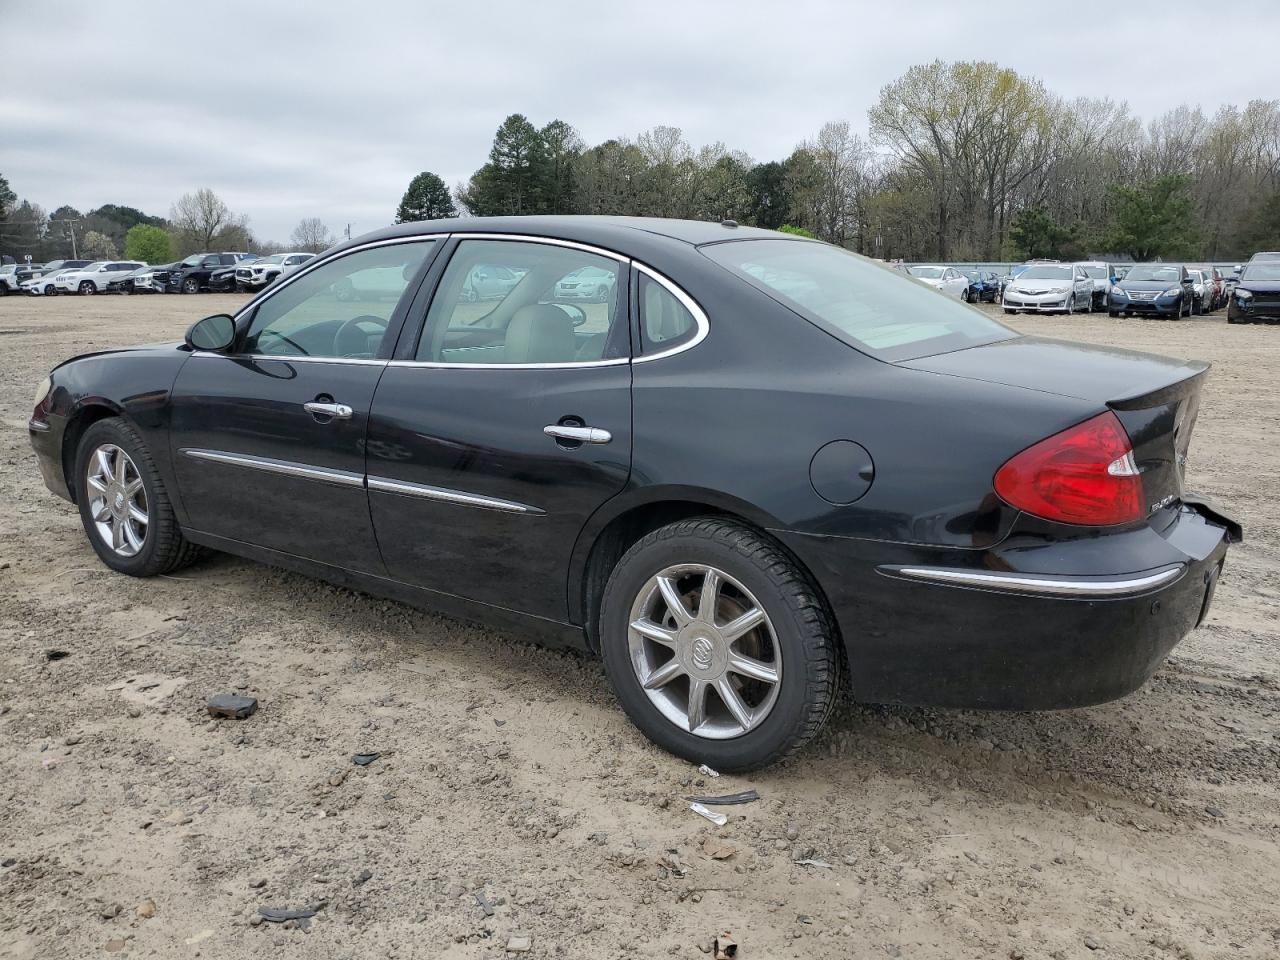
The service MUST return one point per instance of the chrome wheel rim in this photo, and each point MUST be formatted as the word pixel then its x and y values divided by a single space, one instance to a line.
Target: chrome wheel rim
pixel 705 652
pixel 117 500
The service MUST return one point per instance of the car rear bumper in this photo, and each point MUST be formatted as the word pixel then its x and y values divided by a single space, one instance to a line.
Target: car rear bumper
pixel 1000 629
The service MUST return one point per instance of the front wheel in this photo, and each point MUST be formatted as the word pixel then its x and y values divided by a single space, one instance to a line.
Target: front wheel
pixel 124 506
pixel 717 646
pixel 87 289
pixel 191 285
pixel 965 296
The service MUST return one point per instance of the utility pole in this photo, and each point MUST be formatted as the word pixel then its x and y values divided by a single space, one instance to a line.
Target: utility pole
pixel 348 231
pixel 71 229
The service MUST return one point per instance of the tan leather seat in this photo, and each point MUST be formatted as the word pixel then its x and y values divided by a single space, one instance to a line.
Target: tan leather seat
pixel 540 333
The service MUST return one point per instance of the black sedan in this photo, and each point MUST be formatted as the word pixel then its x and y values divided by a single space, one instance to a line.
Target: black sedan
pixel 760 466
pixel 1256 298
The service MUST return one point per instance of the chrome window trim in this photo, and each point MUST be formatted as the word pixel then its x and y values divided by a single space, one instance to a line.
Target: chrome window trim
pixel 1030 584
pixel 551 241
pixel 446 495
pixel 287 468
pixel 318 262
pixel 699 315
pixel 285 358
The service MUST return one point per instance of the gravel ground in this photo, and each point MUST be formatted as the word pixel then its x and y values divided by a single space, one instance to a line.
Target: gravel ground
pixel 514 808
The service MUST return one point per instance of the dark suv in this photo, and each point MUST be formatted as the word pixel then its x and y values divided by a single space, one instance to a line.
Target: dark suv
pixel 1256 298
pixel 192 274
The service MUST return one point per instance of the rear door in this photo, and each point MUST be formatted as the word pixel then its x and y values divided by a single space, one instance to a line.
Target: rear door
pixel 268 441
pixel 503 426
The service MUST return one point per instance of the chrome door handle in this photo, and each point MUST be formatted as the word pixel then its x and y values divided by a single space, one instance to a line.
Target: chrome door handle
pixel 581 434
pixel 336 411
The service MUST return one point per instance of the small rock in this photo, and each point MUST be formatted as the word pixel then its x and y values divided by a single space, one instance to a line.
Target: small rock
pixel 257 884
pixel 519 945
pixel 1091 942
pixel 231 705
pixel 134 712
pixel 115 945
pixel 146 910
pixel 793 832
pixel 1214 811
pixel 111 911
pixel 362 877
pixel 255 920
pixel 72 740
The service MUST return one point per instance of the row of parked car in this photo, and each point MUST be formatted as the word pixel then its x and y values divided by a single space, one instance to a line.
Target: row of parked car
pixel 1250 291
pixel 217 272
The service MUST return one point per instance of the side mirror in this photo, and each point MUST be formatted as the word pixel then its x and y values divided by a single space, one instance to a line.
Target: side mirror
pixel 215 333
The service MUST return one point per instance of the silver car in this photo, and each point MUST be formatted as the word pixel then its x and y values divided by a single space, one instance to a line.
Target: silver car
pixel 1100 273
pixel 589 283
pixel 1050 288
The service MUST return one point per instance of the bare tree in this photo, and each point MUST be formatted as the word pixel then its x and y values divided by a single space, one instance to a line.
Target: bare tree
pixel 311 235
pixel 199 216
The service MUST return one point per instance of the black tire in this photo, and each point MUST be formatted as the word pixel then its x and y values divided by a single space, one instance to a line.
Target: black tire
pixel 1010 312
pixel 191 285
pixel 965 296
pixel 164 548
pixel 87 289
pixel 802 624
pixel 1113 314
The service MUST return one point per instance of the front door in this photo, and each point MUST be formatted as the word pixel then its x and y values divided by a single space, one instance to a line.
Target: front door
pixel 268 440
pixel 504 428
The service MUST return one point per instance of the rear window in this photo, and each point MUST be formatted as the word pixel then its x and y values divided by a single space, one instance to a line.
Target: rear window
pixel 868 305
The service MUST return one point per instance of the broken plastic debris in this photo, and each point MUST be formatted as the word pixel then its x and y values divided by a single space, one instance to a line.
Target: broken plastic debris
pixel 707 771
pixel 725 947
pixel 724 800
pixel 281 914
pixel 231 705
pixel 364 759
pixel 719 819
pixel 809 862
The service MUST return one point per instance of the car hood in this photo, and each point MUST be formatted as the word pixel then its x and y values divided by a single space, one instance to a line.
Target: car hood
pixel 1040 286
pixel 1259 286
pixel 146 349
pixel 1083 371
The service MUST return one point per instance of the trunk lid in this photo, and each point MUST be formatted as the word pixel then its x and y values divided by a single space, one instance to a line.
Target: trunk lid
pixel 1155 398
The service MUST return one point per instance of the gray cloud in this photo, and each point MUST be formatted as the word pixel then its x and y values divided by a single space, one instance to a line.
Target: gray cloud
pixel 290 110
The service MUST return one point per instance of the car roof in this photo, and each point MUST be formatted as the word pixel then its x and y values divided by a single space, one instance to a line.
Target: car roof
pixel 604 231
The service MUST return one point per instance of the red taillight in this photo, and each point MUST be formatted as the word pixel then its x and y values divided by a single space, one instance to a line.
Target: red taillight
pixel 1086 474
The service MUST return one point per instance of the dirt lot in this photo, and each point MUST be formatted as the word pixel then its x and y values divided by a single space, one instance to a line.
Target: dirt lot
pixel 514 800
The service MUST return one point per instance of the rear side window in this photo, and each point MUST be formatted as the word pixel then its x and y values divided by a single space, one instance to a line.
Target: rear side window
pixel 665 322
pixel 868 305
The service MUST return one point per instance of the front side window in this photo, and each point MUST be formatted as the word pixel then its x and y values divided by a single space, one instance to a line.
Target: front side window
pixel 868 305
pixel 520 302
pixel 338 310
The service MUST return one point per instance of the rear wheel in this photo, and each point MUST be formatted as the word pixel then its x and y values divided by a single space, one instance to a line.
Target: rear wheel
pixel 123 504
pixel 717 646
pixel 1113 314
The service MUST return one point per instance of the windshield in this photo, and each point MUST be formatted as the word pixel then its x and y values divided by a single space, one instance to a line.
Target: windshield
pixel 866 304
pixel 193 261
pixel 1095 273
pixel 1196 275
pixel 926 273
pixel 274 258
pixel 1045 273
pixel 1262 270
pixel 1154 271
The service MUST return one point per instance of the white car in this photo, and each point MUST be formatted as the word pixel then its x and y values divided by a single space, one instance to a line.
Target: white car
pixel 1050 288
pixel 40 286
pixel 259 273
pixel 947 279
pixel 95 277
pixel 1100 273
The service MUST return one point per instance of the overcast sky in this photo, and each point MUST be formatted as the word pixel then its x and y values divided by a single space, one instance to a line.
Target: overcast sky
pixel 289 110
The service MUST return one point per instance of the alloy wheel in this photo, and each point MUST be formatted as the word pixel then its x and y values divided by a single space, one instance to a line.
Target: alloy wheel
pixel 704 651
pixel 117 500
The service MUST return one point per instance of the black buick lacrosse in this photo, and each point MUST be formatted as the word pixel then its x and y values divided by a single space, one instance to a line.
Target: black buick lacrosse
pixel 742 467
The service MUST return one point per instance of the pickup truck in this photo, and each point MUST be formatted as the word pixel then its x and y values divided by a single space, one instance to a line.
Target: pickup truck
pixel 192 274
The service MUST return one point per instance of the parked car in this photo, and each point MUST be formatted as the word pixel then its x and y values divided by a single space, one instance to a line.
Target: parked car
pixel 192 274
pixel 44 284
pixel 1159 289
pixel 223 279
pixel 1256 298
pixel 984 286
pixel 489 282
pixel 574 483
pixel 1230 277
pixel 94 277
pixel 135 281
pixel 948 280
pixel 589 283
pixel 260 273
pixel 152 279
pixel 1265 255
pixel 1217 286
pixel 1203 293
pixel 9 282
pixel 1100 273
pixel 1049 288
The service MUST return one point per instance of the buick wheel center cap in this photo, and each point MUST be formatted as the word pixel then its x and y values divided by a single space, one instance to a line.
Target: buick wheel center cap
pixel 119 501
pixel 703 650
